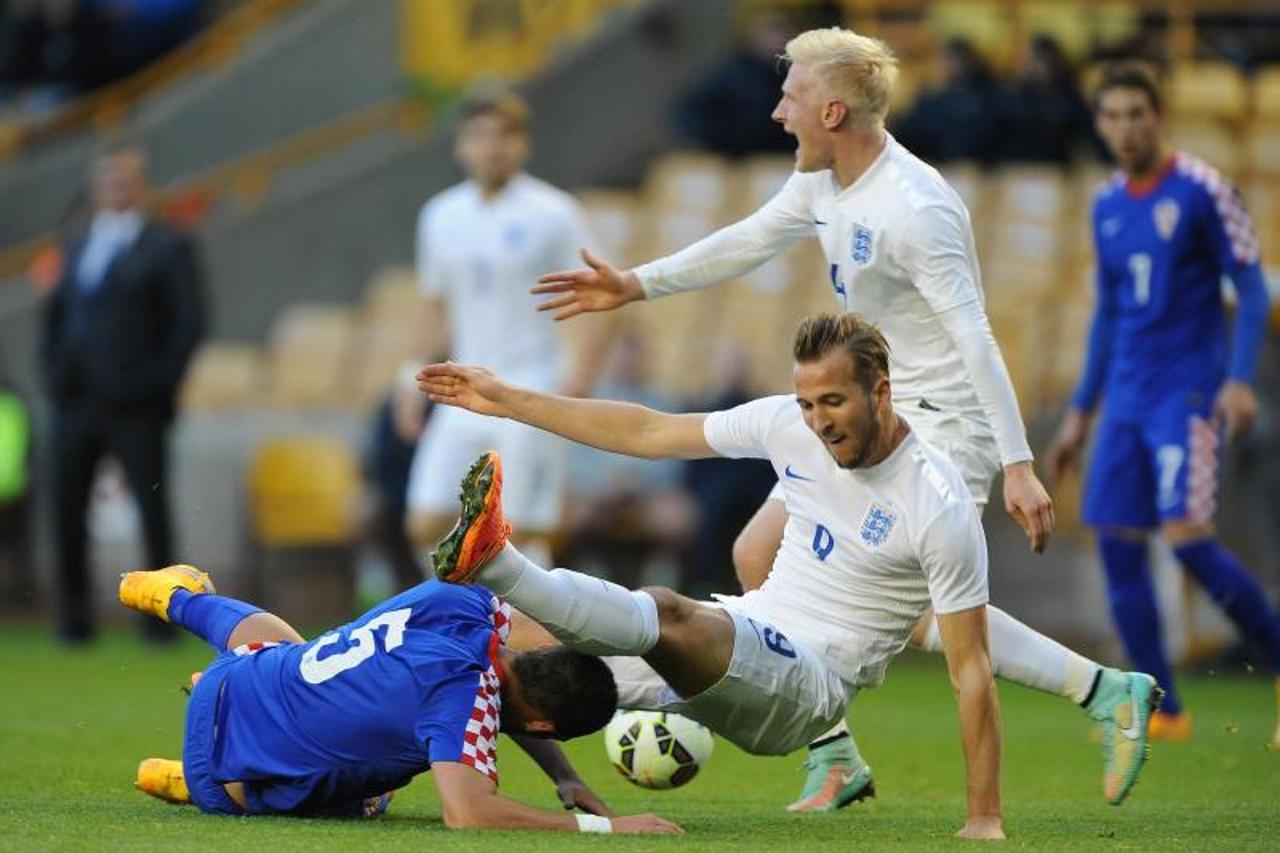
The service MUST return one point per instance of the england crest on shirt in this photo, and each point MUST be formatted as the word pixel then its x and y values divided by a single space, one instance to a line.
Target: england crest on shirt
pixel 861 244
pixel 1166 213
pixel 876 525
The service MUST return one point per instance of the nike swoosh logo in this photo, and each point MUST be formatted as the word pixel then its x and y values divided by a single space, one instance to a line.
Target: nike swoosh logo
pixel 1132 731
pixel 847 778
pixel 793 475
pixel 818 222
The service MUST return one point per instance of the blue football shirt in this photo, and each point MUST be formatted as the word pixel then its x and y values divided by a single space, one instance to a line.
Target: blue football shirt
pixel 362 709
pixel 1162 249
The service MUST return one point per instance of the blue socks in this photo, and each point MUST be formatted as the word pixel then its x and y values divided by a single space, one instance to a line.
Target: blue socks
pixel 1236 592
pixel 212 618
pixel 1135 612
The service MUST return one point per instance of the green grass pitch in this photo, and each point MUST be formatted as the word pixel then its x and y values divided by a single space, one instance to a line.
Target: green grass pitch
pixel 74 724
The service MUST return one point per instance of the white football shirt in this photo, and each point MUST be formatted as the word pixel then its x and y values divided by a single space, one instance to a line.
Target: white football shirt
pixel 900 251
pixel 866 551
pixel 482 256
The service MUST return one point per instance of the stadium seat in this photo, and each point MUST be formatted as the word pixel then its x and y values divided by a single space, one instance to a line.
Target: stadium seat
pixel 1030 194
pixel 309 363
pixel 690 182
pixel 392 292
pixel 615 222
pixel 1208 90
pixel 1211 141
pixel 222 376
pixel 1266 94
pixel 302 494
pixel 1264 149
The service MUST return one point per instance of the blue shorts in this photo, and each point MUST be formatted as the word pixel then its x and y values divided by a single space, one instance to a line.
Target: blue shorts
pixel 1163 468
pixel 201 734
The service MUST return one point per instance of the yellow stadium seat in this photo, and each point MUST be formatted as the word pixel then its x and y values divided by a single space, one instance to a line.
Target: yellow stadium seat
pixel 302 492
pixel 1212 142
pixel 1264 149
pixel 1208 90
pixel 1266 94
pixel 222 376
pixel 392 292
pixel 310 356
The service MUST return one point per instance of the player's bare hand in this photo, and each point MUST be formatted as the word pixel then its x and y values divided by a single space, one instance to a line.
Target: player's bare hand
pixel 982 829
pixel 1027 502
pixel 596 287
pixel 645 824
pixel 1068 444
pixel 1236 407
pixel 472 388
pixel 576 795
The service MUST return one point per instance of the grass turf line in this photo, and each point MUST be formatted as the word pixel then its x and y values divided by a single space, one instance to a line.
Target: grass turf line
pixel 75 723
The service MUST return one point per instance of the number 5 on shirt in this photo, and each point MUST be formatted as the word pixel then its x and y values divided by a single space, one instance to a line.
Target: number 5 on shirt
pixel 363 646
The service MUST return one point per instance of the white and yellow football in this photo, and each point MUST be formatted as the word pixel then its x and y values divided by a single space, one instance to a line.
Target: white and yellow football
pixel 657 750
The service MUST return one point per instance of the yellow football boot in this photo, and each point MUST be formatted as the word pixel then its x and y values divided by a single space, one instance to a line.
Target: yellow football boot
pixel 149 592
pixel 1171 728
pixel 162 778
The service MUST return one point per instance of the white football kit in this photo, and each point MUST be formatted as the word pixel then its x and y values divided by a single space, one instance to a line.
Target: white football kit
pixel 900 251
pixel 481 256
pixel 865 553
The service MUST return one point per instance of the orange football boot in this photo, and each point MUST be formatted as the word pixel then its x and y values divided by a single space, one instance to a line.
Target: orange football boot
pixel 481 531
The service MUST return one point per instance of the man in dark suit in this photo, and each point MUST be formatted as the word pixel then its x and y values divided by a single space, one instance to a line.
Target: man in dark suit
pixel 119 331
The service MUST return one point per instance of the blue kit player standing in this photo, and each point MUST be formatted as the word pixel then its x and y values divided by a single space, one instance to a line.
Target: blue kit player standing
pixel 1167 229
pixel 278 725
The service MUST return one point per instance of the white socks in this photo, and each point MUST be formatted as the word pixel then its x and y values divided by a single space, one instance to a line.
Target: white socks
pixel 585 613
pixel 1027 657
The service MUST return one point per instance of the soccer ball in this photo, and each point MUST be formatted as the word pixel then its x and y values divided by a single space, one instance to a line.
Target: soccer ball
pixel 657 750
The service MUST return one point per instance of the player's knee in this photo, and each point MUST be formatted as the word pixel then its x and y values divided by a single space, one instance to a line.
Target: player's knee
pixel 673 609
pixel 1183 532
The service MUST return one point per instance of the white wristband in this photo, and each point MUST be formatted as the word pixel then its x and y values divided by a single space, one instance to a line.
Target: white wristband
pixel 594 823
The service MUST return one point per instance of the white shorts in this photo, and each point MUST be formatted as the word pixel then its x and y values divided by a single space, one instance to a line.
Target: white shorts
pixel 533 466
pixel 777 696
pixel 965 439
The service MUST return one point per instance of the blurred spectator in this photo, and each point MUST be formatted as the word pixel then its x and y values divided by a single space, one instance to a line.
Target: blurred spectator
pixel 632 515
pixel 393 440
pixel 729 111
pixel 1043 116
pixel 954 121
pixel 119 330
pixel 15 492
pixel 727 491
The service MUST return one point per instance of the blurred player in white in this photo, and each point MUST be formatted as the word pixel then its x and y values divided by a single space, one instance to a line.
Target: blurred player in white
pixel 479 244
pixel 900 250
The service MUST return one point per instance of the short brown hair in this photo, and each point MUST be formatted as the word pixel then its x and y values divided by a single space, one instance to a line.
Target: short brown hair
pixel 1129 74
pixel 861 340
pixel 499 101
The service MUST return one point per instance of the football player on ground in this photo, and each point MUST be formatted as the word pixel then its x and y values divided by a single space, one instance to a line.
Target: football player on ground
pixel 1167 228
pixel 479 244
pixel 900 250
pixel 278 725
pixel 881 528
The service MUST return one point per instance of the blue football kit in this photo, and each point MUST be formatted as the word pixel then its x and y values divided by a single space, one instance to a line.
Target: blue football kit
pixel 1159 348
pixel 320 727
pixel 1159 352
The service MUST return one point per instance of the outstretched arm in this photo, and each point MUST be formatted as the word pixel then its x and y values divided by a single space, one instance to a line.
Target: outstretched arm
pixel 618 427
pixel 964 639
pixel 722 256
pixel 470 800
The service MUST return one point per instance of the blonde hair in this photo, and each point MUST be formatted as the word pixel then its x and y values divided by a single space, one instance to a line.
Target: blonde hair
pixel 858 70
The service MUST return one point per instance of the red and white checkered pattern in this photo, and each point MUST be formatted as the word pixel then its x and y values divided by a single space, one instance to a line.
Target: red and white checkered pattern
pixel 480 741
pixel 1235 219
pixel 1202 476
pixel 501 618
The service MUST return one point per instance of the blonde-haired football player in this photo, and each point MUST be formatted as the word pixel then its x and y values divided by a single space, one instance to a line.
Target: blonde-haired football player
pixel 900 250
